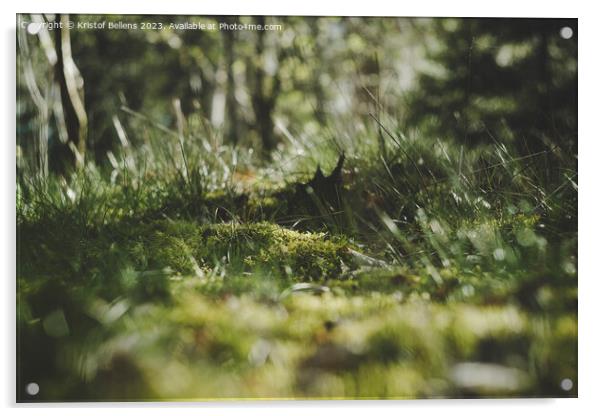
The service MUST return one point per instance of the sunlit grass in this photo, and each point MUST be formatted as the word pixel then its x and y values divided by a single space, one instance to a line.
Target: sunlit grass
pixel 190 270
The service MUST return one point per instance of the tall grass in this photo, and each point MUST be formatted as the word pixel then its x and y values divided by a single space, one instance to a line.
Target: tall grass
pixel 415 196
pixel 169 260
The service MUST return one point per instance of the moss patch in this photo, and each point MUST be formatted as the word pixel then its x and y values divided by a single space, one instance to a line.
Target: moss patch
pixel 184 246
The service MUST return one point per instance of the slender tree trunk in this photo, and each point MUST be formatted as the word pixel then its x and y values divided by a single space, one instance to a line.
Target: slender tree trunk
pixel 264 95
pixel 232 124
pixel 318 91
pixel 40 145
pixel 70 84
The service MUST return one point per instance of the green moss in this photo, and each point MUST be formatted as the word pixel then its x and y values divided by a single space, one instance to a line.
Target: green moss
pixel 306 256
pixel 184 246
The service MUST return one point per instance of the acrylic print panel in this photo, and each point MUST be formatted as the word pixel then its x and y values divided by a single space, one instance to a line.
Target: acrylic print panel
pixel 256 207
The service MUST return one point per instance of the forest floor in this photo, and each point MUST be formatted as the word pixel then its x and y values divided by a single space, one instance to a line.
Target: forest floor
pixel 279 290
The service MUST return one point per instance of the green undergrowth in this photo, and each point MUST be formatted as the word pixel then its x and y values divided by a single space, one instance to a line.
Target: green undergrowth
pixel 188 248
pixel 424 270
pixel 178 309
pixel 146 256
pixel 303 346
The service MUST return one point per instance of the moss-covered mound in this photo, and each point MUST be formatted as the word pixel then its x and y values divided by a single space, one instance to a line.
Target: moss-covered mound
pixel 187 248
pixel 117 258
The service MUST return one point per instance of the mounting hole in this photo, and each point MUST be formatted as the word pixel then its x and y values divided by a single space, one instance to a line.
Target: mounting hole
pixel 33 28
pixel 566 32
pixel 32 389
pixel 566 384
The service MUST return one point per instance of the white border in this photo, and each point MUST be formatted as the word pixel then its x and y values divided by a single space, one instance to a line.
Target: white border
pixel 590 234
pixel 462 8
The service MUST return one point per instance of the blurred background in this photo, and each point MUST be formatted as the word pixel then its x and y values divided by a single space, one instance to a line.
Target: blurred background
pixel 466 80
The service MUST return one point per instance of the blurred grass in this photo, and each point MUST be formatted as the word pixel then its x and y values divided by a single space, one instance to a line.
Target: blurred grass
pixel 192 270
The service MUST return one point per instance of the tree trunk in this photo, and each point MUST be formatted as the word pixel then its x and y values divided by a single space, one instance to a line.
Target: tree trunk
pixel 40 144
pixel 264 99
pixel 67 76
pixel 232 124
